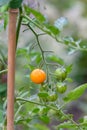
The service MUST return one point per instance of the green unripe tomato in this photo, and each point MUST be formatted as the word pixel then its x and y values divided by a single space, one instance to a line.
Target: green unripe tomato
pixel 60 74
pixel 61 87
pixel 52 97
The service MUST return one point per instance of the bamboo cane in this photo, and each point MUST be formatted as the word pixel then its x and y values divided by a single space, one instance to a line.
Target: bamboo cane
pixel 11 67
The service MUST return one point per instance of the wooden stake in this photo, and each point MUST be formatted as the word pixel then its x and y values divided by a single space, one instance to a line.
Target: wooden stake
pixel 11 67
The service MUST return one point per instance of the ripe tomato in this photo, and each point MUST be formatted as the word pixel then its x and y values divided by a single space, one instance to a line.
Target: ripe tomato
pixel 60 74
pixel 38 76
pixel 61 87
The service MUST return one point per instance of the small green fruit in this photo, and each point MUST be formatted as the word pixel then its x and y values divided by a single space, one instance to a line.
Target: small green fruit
pixel 52 97
pixel 61 74
pixel 61 87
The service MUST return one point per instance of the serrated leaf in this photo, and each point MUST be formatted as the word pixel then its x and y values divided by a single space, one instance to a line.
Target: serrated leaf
pixel 21 120
pixel 56 59
pixel 69 68
pixel 76 93
pixel 37 14
pixel 60 23
pixel 69 40
pixel 21 51
pixel 45 119
pixel 52 29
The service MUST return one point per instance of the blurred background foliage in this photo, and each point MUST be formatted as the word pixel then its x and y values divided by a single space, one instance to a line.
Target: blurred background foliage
pixel 76 13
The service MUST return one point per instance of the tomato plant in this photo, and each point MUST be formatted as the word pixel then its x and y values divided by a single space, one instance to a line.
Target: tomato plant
pixel 42 93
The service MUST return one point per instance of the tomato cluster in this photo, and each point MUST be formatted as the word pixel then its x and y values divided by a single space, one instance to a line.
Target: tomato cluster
pixel 38 76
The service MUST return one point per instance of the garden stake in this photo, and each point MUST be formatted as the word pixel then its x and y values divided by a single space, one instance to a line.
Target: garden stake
pixel 11 67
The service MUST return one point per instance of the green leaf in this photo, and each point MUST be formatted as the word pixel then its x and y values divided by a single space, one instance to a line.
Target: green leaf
pixel 67 40
pixel 3 88
pixel 36 110
pixel 69 68
pixel 70 41
pixel 76 93
pixel 37 14
pixel 5 21
pixel 1 115
pixel 41 127
pixel 27 9
pixel 67 124
pixel 45 119
pixel 21 51
pixel 3 9
pixel 54 58
pixel 52 29
pixel 21 120
pixel 43 94
pixel 71 50
pixel 60 23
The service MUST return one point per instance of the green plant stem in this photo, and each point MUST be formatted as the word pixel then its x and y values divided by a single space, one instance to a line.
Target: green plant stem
pixel 54 37
pixel 42 52
pixel 3 71
pixel 53 108
pixel 19 25
pixel 26 100
pixel 65 115
pixel 3 58
pixel 18 111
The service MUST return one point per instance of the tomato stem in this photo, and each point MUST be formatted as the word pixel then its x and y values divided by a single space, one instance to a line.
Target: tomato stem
pixel 19 25
pixel 58 110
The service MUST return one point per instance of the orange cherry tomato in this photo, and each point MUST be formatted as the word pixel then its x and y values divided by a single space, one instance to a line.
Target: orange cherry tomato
pixel 38 76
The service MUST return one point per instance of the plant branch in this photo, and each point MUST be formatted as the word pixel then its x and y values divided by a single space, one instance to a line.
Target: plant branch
pixel 3 71
pixel 53 108
pixel 19 25
pixel 42 52
pixel 53 36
